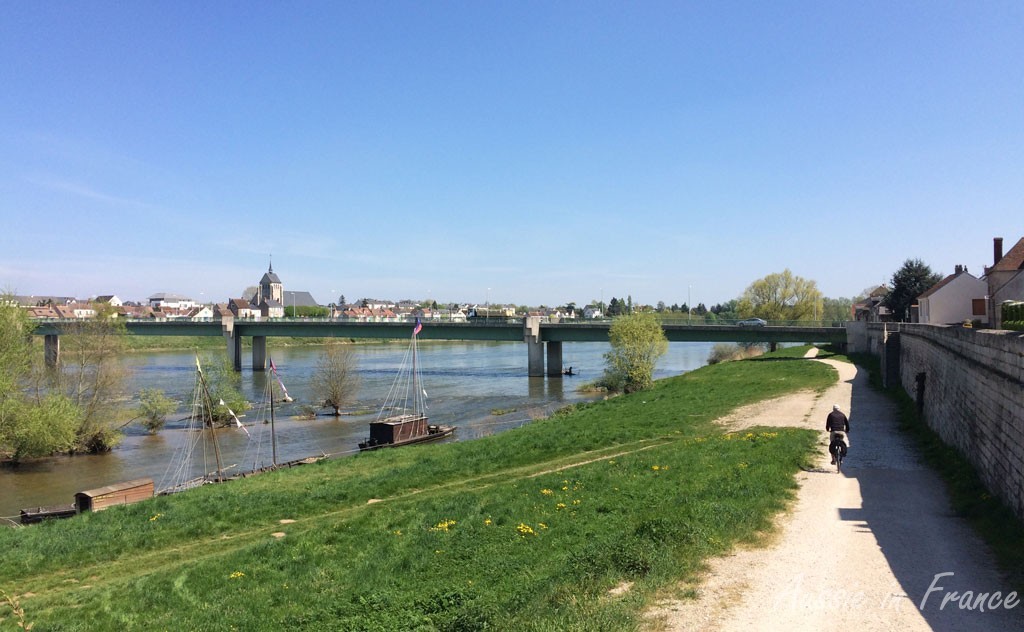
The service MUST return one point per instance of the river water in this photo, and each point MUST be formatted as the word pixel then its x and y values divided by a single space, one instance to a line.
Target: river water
pixel 466 383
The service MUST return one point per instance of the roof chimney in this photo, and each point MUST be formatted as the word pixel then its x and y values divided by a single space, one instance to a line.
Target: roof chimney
pixel 997 250
pixel 958 269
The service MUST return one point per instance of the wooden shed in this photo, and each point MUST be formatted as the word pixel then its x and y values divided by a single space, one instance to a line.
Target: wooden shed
pixel 117 494
pixel 398 428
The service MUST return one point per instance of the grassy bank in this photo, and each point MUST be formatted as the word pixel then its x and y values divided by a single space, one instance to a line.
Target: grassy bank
pixel 529 529
pixel 987 514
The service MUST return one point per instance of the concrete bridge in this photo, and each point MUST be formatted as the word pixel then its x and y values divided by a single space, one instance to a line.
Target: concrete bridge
pixel 543 339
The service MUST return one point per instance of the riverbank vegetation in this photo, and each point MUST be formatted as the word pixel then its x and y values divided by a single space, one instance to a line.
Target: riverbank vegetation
pixel 576 522
pixel 70 409
pixel 636 341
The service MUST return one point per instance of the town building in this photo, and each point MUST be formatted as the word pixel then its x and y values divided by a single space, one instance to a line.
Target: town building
pixel 1004 279
pixel 958 298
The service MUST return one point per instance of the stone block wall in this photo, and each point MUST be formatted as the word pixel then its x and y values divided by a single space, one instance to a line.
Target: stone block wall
pixel 969 388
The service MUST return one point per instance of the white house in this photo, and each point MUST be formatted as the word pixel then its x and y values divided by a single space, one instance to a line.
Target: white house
pixel 593 311
pixel 957 298
pixel 110 299
pixel 170 302
pixel 201 313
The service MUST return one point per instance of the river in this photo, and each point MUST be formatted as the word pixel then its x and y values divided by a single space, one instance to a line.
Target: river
pixel 466 384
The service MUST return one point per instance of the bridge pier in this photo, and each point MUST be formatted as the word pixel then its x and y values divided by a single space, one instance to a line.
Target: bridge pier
pixel 51 350
pixel 259 353
pixel 534 346
pixel 234 343
pixel 554 358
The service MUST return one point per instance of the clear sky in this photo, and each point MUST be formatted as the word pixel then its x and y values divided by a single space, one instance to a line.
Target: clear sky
pixel 521 152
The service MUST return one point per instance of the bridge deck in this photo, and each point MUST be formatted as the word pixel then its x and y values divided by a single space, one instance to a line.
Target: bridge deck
pixel 509 331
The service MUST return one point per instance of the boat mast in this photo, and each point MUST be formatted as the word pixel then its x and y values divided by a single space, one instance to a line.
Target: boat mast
pixel 213 429
pixel 273 435
pixel 415 381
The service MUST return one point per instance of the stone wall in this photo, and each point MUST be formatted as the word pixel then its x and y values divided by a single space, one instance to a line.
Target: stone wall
pixel 969 388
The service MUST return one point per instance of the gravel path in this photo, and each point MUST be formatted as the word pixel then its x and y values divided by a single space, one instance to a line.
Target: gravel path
pixel 862 550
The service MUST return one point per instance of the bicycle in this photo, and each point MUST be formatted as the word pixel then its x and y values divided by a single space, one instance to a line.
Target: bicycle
pixel 837 443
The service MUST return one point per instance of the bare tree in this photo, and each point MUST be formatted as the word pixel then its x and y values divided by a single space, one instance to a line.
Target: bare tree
pixel 335 381
pixel 91 375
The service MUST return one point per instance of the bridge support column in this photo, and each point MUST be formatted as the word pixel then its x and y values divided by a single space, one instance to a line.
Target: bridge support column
pixel 259 353
pixel 534 346
pixel 51 349
pixel 234 343
pixel 554 358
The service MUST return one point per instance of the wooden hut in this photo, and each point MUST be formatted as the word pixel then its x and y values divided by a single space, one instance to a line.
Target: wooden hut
pixel 398 429
pixel 117 494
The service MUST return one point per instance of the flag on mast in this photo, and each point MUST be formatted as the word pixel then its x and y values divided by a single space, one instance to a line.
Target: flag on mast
pixel 287 397
pixel 418 328
pixel 238 422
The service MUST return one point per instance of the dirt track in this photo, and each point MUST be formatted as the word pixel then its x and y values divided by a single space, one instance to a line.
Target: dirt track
pixel 859 550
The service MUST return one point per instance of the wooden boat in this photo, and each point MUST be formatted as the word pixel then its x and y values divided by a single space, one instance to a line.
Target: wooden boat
pixel 410 425
pixel 39 514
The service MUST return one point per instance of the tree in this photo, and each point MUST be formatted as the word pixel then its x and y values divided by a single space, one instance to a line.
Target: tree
pixel 154 407
pixel 335 381
pixel 836 309
pixel 910 281
pixel 225 385
pixel 92 376
pixel 34 421
pixel 341 301
pixel 780 296
pixel 615 308
pixel 637 341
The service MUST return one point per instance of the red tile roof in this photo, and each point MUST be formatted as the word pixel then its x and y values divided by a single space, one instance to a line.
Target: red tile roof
pixel 1012 260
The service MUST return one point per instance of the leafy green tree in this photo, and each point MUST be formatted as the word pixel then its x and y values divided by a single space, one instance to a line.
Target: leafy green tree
pixel 615 308
pixel 154 407
pixel 912 279
pixel 836 309
pixel 780 296
pixel 637 341
pixel 34 421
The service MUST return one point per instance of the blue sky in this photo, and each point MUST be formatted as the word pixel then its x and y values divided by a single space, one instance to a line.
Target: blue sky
pixel 523 152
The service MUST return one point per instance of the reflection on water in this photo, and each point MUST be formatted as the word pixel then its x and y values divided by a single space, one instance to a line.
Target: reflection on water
pixel 465 383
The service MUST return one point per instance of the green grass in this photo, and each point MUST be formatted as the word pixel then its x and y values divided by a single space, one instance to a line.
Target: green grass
pixel 987 514
pixel 527 529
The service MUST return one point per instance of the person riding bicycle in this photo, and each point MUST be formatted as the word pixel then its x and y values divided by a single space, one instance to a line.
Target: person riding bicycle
pixel 838 425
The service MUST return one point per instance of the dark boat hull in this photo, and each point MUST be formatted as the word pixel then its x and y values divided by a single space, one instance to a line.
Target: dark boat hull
pixel 434 433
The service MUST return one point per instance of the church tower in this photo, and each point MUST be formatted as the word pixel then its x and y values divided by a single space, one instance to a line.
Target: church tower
pixel 271 288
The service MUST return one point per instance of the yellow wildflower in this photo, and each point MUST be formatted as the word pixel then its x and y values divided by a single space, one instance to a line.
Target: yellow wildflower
pixel 236 575
pixel 525 529
pixel 546 492
pixel 487 522
pixel 444 525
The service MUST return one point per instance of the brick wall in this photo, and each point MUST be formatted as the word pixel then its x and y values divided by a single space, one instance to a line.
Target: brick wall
pixel 969 388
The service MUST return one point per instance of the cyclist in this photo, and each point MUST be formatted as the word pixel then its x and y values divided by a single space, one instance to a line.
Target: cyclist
pixel 838 425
